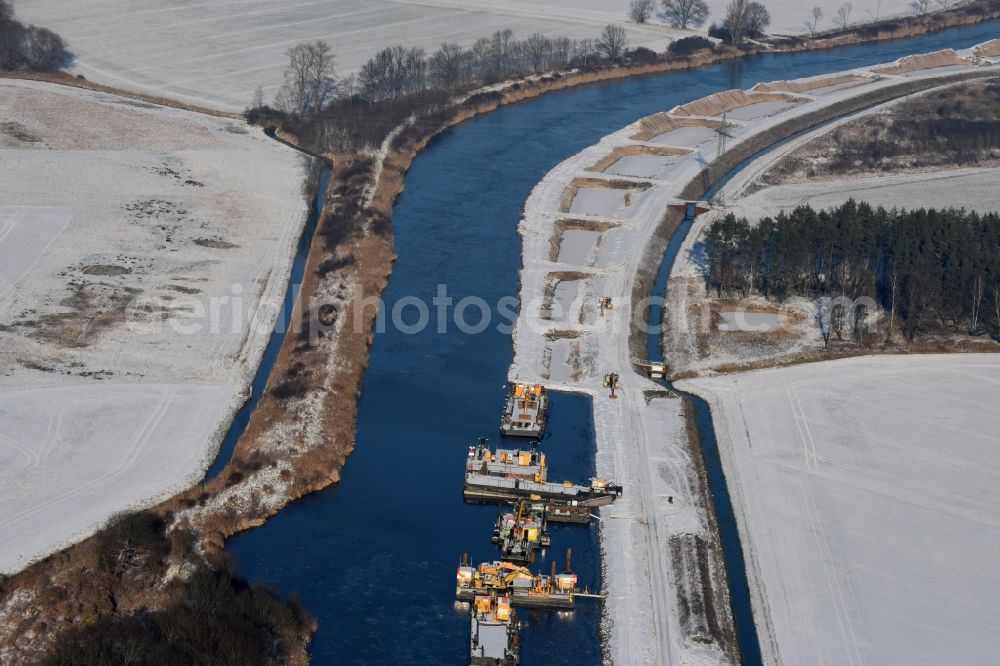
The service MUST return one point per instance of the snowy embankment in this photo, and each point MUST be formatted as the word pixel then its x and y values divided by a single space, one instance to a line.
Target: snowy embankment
pixel 210 55
pixel 866 496
pixel 585 232
pixel 145 253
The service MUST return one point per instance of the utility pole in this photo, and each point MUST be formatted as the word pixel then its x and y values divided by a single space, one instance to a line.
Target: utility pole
pixel 724 132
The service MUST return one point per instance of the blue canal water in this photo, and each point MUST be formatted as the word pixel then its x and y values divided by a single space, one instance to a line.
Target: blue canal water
pixel 374 557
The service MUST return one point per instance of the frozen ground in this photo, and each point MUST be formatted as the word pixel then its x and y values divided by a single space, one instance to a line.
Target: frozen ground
pixel 120 222
pixel 603 201
pixel 640 166
pixel 641 436
pixel 866 494
pixel 685 137
pixel 758 110
pixel 216 52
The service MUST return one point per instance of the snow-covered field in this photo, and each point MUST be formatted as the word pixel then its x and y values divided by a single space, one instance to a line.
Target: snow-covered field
pixel 972 189
pixel 216 52
pixel 867 500
pixel 121 222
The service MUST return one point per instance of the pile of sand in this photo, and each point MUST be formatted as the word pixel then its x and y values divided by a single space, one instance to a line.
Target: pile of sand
pixel 723 102
pixel 661 123
pixel 990 49
pixel 914 63
pixel 809 84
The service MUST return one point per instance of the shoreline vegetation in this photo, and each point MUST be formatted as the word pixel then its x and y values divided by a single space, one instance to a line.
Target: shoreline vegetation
pixel 303 430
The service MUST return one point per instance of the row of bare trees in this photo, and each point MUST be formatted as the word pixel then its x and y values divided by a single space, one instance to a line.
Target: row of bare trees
pixel 679 13
pixel 28 47
pixel 398 71
pixel 310 81
pixel 842 19
pixel 743 19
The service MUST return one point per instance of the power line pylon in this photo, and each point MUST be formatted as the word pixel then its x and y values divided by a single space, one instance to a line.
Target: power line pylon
pixel 724 132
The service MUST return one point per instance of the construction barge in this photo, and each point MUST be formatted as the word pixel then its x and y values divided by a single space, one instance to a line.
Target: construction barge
pixel 506 476
pixel 507 463
pixel 495 637
pixel 525 412
pixel 484 489
pixel 518 534
pixel 518 584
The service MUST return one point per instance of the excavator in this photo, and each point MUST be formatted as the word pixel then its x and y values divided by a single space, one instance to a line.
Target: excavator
pixel 524 588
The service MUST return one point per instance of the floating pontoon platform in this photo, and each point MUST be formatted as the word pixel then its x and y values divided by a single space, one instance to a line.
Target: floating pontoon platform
pixel 525 412
pixel 506 463
pixel 495 633
pixel 485 489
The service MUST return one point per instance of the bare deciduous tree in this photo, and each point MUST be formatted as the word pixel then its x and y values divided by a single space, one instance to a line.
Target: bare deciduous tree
pixel 640 10
pixel 893 284
pixel 43 50
pixel 745 19
pixel 537 50
pixel 309 79
pixel 450 66
pixel 978 292
pixel 996 306
pixel 844 15
pixel 758 20
pixel 393 72
pixel 611 44
pixel 500 51
pixel 28 46
pixel 922 6
pixel 736 20
pixel 685 13
pixel 586 52
pixel 817 16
